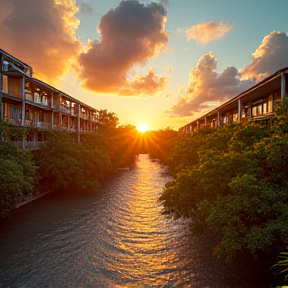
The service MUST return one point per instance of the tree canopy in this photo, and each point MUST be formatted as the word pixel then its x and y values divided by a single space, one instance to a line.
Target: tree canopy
pixel 232 183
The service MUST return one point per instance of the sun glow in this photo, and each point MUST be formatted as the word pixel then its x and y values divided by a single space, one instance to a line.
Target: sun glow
pixel 142 128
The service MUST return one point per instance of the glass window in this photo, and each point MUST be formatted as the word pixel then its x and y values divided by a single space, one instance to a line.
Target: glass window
pixel 270 103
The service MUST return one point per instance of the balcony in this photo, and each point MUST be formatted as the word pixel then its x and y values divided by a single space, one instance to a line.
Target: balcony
pixel 65 109
pixel 29 123
pixel 95 118
pixel 29 145
pixel 43 125
pixel 28 95
pixel 85 116
pixel 74 111
pixel 17 122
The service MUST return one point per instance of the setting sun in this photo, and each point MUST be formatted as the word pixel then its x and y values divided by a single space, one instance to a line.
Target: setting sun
pixel 142 128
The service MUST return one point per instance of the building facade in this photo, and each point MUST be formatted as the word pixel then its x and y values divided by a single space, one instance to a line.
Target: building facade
pixel 254 104
pixel 30 103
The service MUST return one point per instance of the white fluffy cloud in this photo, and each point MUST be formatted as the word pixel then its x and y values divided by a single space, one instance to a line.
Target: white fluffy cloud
pixel 270 56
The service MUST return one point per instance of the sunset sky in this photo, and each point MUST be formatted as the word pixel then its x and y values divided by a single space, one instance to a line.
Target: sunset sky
pixel 160 63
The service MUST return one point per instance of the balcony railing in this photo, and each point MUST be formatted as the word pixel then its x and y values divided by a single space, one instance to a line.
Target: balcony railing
pixel 74 111
pixel 65 109
pixel 95 119
pixel 65 127
pixel 29 123
pixel 43 125
pixel 16 122
pixel 29 145
pixel 85 115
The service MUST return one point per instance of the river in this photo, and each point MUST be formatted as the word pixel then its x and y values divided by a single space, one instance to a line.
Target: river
pixel 115 238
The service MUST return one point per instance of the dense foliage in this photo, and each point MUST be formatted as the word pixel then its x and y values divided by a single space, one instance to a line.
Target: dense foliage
pixel 65 164
pixel 159 143
pixel 62 162
pixel 232 183
pixel 18 171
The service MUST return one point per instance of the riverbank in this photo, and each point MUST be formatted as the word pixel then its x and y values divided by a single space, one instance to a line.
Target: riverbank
pixel 32 199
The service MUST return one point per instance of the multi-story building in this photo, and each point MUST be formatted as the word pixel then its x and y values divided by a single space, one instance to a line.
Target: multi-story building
pixel 31 103
pixel 254 104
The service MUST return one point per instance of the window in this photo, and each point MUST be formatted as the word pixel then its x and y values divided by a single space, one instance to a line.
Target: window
pixel 28 94
pixel 257 108
pixel 37 98
pixel 13 112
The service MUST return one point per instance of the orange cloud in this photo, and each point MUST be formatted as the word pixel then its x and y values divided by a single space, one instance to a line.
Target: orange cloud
pixel 42 33
pixel 208 31
pixel 130 35
pixel 270 56
pixel 146 85
pixel 207 88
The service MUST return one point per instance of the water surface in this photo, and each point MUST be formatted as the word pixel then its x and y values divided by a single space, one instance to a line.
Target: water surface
pixel 115 238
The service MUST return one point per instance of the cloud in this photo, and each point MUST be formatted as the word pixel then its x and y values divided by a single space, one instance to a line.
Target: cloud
pixel 42 34
pixel 208 31
pixel 145 85
pixel 165 3
pixel 270 56
pixel 131 34
pixel 85 8
pixel 207 88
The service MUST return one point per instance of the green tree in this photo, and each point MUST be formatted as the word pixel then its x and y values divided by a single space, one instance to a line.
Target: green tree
pixel 18 175
pixel 60 162
pixel 233 185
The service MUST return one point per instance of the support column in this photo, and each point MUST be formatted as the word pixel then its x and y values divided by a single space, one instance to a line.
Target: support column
pixel 239 110
pixel 90 120
pixel 250 110
pixel 1 107
pixel 23 109
pixel 218 119
pixel 205 121
pixel 23 101
pixel 283 86
pixel 78 119
pixel 34 140
pixel 52 114
pixel 1 88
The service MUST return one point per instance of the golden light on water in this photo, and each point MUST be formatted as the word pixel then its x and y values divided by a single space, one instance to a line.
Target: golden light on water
pixel 142 128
